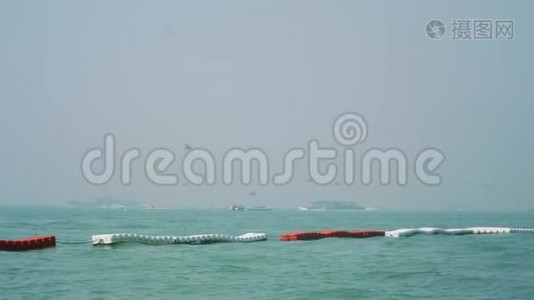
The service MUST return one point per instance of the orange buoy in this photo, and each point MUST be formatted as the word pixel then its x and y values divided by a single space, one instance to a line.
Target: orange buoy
pixel 29 243
pixel 315 235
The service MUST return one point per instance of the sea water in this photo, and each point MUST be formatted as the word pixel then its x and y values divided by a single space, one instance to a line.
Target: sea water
pixel 419 267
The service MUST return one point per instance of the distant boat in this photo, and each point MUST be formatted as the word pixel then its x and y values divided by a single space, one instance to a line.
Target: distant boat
pixel 259 208
pixel 150 206
pixel 237 207
pixel 370 208
pixel 113 206
pixel 333 206
pixel 305 208
pixel 111 202
pixel 108 202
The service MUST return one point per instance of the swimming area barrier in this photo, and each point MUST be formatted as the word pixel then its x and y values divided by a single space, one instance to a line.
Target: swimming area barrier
pixel 109 239
pixel 29 243
pixel 315 235
pixel 403 232
pixel 407 232
pixel 40 242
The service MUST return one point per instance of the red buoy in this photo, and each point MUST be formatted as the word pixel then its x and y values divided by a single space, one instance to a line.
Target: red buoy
pixel 29 243
pixel 315 235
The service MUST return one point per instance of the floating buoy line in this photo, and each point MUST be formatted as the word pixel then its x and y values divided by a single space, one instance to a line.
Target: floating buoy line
pixel 29 243
pixel 456 231
pixel 315 235
pixel 108 239
pixel 41 242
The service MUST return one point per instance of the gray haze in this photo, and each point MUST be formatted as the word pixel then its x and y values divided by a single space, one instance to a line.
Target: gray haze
pixel 267 74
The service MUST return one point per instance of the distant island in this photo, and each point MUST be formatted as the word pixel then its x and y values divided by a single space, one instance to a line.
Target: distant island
pixel 334 206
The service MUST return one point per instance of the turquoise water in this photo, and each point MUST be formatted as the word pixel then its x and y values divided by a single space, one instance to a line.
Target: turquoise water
pixel 420 267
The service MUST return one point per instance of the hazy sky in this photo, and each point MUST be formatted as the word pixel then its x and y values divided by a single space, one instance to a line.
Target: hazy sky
pixel 267 74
